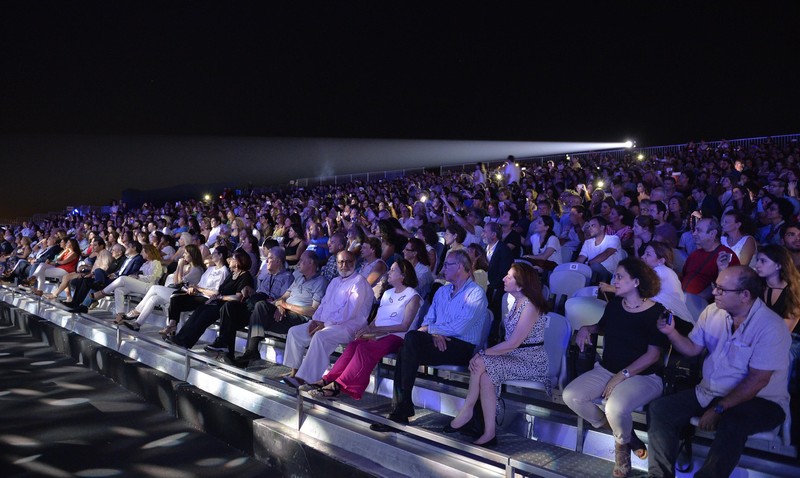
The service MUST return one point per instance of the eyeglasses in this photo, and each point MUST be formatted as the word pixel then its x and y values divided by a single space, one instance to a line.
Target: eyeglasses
pixel 715 288
pixel 448 264
pixel 345 262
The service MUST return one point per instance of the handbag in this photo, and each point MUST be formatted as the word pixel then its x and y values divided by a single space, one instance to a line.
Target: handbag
pixel 681 372
pixel 578 361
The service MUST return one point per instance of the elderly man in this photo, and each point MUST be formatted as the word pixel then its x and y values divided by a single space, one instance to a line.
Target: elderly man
pixel 743 390
pixel 294 307
pixel 343 311
pixel 450 333
pixel 273 282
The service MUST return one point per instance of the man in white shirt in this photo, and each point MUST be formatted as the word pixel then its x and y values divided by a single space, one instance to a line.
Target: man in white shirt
pixel 343 311
pixel 600 251
pixel 743 390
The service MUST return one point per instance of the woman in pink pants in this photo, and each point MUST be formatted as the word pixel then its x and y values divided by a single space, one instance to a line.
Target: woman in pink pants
pixel 398 309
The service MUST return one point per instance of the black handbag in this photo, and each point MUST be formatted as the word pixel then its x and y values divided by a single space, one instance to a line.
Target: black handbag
pixel 681 372
pixel 580 362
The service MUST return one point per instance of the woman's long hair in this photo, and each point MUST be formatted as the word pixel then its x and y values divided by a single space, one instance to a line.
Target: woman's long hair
pixel 788 273
pixel 528 280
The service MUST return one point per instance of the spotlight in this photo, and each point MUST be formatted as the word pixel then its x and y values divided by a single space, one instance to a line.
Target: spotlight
pixel 423 198
pixel 600 184
pixel 630 144
pixel 498 176
pixel 207 197
pixel 640 157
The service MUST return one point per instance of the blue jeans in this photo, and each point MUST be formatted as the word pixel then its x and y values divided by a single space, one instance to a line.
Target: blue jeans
pixel 668 415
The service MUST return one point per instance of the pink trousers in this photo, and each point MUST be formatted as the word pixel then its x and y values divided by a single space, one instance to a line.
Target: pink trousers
pixel 354 366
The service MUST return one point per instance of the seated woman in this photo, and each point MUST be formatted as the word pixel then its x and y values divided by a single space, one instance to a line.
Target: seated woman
pixel 149 274
pixel 195 296
pixel 520 357
pixel 626 377
pixel 480 265
pixel 295 244
pixel 737 234
pixel 415 253
pixel 188 274
pixel 396 314
pixel 643 231
pixel 617 218
pixel 545 246
pixel 372 267
pixel 100 257
pixel 63 264
pixel 659 256
pixel 208 313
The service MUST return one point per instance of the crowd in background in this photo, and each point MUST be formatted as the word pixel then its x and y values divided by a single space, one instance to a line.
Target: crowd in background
pixel 675 213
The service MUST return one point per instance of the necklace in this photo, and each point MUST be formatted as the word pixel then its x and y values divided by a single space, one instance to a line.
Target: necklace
pixel 634 307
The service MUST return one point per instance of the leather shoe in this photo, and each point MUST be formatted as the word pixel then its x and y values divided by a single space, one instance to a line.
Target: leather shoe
pixel 293 382
pixel 81 309
pixel 380 427
pixel 488 444
pixel 216 347
pixel 449 429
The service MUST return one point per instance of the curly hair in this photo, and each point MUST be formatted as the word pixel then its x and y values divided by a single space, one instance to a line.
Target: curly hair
pixel 649 283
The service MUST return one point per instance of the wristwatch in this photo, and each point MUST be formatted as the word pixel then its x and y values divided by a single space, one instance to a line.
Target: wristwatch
pixel 719 409
pixel 626 373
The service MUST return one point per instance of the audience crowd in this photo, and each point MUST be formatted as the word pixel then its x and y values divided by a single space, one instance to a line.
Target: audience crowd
pixel 709 233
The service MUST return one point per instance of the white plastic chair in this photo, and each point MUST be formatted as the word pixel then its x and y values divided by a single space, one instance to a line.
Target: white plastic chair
pixel 563 284
pixel 579 267
pixel 586 292
pixel 584 311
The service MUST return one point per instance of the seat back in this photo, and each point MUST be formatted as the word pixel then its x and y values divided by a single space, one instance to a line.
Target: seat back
pixel 586 292
pixel 584 311
pixel 578 267
pixel 556 340
pixel 563 284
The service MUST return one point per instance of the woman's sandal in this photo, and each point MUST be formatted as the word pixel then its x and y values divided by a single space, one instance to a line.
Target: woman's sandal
pixel 131 325
pixel 622 460
pixel 328 391
pixel 119 318
pixel 307 387
pixel 168 330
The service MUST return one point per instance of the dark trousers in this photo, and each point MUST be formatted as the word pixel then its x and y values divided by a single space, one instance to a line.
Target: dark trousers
pixel 234 316
pixel 418 349
pixel 667 416
pixel 198 322
pixel 184 303
pixel 494 296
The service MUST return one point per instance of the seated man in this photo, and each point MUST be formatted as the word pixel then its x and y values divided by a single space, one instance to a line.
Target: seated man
pixel 450 332
pixel 743 390
pixel 343 311
pixel 127 264
pixel 701 268
pixel 600 251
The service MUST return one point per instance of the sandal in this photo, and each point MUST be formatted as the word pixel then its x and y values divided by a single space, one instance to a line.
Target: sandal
pixel 168 330
pixel 313 386
pixel 638 447
pixel 622 460
pixel 119 318
pixel 131 325
pixel 328 391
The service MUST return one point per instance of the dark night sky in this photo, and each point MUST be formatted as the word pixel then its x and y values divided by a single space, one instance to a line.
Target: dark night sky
pixel 660 72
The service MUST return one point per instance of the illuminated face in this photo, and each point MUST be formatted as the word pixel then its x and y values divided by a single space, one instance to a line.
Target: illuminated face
pixel 624 284
pixel 766 267
pixel 728 223
pixel 510 282
pixel 650 258
pixel 791 239
pixel 345 263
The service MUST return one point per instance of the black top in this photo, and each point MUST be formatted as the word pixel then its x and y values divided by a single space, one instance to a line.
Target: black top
pixel 779 307
pixel 232 286
pixel 627 335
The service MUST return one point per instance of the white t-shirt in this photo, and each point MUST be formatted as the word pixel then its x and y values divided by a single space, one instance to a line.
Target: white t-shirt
pixel 590 251
pixel 552 242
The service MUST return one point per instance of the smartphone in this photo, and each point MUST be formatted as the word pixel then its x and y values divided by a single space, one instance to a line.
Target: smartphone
pixel 667 315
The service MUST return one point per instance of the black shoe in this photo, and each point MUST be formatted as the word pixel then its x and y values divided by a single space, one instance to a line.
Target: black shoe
pixel 68 303
pixel 216 347
pixel 489 444
pixel 398 419
pixel 131 325
pixel 81 309
pixel 249 355
pixel 449 429
pixel 380 427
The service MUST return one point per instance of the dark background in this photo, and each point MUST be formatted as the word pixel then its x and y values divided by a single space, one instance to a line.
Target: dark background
pixel 99 97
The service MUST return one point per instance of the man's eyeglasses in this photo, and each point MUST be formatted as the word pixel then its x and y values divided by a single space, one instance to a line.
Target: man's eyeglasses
pixel 715 288
pixel 448 264
pixel 345 262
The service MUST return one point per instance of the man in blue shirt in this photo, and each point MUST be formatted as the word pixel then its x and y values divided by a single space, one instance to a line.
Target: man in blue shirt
pixel 449 334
